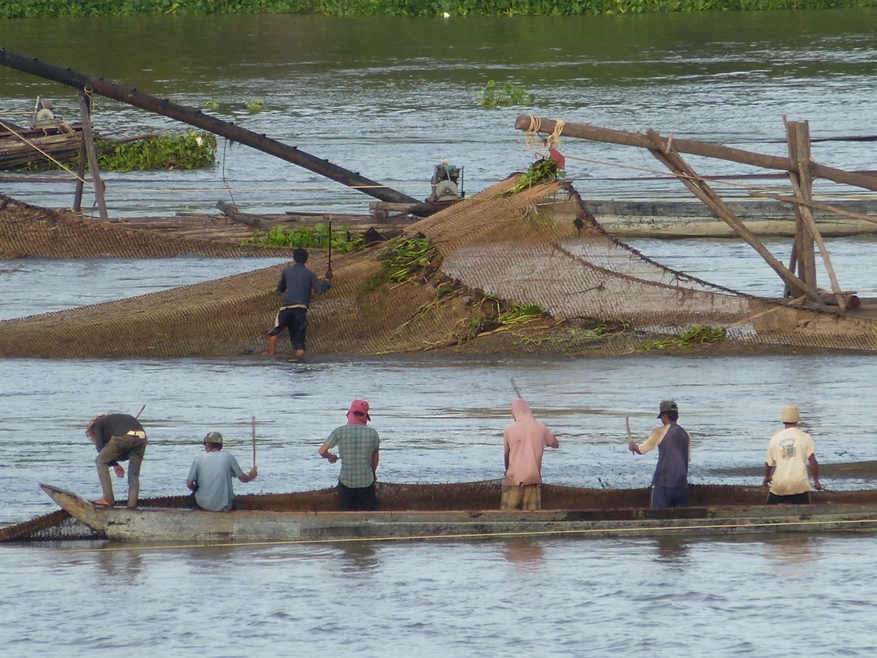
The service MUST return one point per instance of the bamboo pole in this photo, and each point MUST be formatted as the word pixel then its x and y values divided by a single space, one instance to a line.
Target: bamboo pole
pixel 88 139
pixel 662 151
pixel 526 122
pixel 195 117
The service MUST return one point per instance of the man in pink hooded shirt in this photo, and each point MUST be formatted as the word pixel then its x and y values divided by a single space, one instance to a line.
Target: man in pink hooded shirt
pixel 525 441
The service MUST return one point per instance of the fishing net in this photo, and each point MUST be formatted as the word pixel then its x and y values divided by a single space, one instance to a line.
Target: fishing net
pixel 514 272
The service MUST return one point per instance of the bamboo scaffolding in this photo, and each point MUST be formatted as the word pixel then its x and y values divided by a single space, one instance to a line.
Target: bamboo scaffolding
pixel 665 153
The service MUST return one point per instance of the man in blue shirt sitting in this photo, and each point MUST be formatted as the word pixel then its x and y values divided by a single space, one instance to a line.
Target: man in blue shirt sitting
pixel 211 476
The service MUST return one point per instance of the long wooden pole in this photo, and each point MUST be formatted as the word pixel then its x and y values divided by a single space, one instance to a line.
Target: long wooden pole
pixel 195 117
pixel 528 122
pixel 88 140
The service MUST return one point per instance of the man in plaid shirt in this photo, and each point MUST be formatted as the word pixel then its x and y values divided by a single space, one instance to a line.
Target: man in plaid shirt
pixel 358 448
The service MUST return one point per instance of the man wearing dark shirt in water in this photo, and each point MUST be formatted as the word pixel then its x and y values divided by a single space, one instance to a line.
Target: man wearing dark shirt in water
pixel 670 482
pixel 117 437
pixel 297 281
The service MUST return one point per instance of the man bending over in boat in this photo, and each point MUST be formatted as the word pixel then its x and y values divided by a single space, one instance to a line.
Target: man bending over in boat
pixel 524 441
pixel 210 476
pixel 359 449
pixel 297 281
pixel 670 482
pixel 117 437
pixel 785 468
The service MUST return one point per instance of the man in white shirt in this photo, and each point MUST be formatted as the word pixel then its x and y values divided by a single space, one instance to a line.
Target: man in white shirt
pixel 785 469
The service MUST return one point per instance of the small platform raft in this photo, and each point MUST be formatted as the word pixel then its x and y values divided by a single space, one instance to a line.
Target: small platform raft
pixel 469 511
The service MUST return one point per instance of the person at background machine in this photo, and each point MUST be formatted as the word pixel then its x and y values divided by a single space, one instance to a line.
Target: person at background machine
pixel 45 114
pixel 359 449
pixel 297 281
pixel 117 437
pixel 210 476
pixel 524 442
pixel 785 469
pixel 670 482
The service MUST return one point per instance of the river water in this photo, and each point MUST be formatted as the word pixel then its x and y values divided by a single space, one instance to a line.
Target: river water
pixel 390 97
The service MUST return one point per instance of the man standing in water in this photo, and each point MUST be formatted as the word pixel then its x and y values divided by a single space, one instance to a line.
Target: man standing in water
pixel 670 482
pixel 785 468
pixel 297 281
pixel 117 437
pixel 524 441
pixel 359 450
pixel 210 476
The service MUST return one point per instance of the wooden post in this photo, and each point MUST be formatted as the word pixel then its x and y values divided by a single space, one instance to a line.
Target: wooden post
pixel 80 174
pixel 88 138
pixel 662 151
pixel 803 239
pixel 802 183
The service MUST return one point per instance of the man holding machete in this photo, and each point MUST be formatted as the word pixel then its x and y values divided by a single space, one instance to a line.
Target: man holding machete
pixel 297 281
pixel 670 482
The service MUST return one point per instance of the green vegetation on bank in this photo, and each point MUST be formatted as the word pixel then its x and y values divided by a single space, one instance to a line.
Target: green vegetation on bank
pixel 66 8
pixel 317 237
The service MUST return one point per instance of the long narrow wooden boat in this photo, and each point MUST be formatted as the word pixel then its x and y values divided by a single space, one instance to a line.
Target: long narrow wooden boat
pixel 469 510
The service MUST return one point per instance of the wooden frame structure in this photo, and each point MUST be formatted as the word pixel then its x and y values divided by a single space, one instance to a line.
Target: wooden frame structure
pixel 800 276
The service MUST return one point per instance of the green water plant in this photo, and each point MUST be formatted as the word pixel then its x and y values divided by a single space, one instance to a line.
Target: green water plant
pixel 695 335
pixel 315 237
pixel 191 150
pixel 541 171
pixel 505 96
pixel 255 105
pixel 405 259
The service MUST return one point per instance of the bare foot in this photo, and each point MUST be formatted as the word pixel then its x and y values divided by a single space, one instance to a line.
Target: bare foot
pixel 102 502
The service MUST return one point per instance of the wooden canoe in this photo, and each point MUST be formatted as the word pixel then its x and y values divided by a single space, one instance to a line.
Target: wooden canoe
pixel 440 511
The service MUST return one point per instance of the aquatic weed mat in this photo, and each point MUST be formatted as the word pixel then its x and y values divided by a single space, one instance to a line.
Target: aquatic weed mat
pixel 499 273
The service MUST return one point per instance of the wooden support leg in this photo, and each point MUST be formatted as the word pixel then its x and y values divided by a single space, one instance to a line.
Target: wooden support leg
pixel 88 138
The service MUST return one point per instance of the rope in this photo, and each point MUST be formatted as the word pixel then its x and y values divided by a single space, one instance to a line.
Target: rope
pixel 483 535
pixel 552 141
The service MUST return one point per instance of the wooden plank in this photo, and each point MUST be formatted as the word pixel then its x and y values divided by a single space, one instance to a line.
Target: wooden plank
pixel 88 139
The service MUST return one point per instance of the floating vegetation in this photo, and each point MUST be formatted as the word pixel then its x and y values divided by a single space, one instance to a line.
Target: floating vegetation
pixel 698 334
pixel 406 259
pixel 506 96
pixel 191 150
pixel 255 105
pixel 541 171
pixel 316 237
pixel 211 105
pixel 515 313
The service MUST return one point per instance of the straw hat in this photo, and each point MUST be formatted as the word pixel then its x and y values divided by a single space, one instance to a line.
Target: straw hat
pixel 790 414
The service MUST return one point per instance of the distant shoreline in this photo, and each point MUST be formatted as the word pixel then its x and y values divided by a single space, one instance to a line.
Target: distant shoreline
pixel 407 8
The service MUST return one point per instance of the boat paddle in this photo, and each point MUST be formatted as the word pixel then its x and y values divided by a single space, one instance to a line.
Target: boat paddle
pixel 140 412
pixel 629 435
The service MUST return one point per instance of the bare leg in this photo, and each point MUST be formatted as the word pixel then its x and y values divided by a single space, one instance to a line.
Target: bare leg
pixel 272 345
pixel 299 353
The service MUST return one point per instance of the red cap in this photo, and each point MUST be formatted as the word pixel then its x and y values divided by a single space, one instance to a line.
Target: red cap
pixel 361 407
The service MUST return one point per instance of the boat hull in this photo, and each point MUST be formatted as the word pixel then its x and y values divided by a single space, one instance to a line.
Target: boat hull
pixel 259 526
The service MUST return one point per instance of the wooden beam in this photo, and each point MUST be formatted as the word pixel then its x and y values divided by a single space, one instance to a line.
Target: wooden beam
pixel 529 123
pixel 194 117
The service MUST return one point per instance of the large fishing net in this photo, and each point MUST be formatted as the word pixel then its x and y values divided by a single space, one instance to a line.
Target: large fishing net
pixel 523 272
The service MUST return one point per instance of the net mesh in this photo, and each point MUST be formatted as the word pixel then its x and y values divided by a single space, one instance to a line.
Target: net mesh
pixel 539 246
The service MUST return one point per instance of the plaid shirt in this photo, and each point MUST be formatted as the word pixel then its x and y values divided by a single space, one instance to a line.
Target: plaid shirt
pixel 356 445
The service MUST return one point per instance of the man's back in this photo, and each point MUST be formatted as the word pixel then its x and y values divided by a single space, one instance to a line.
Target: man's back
pixel 356 447
pixel 789 450
pixel 212 472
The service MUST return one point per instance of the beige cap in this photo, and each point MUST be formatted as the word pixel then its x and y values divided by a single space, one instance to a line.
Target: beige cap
pixel 790 414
